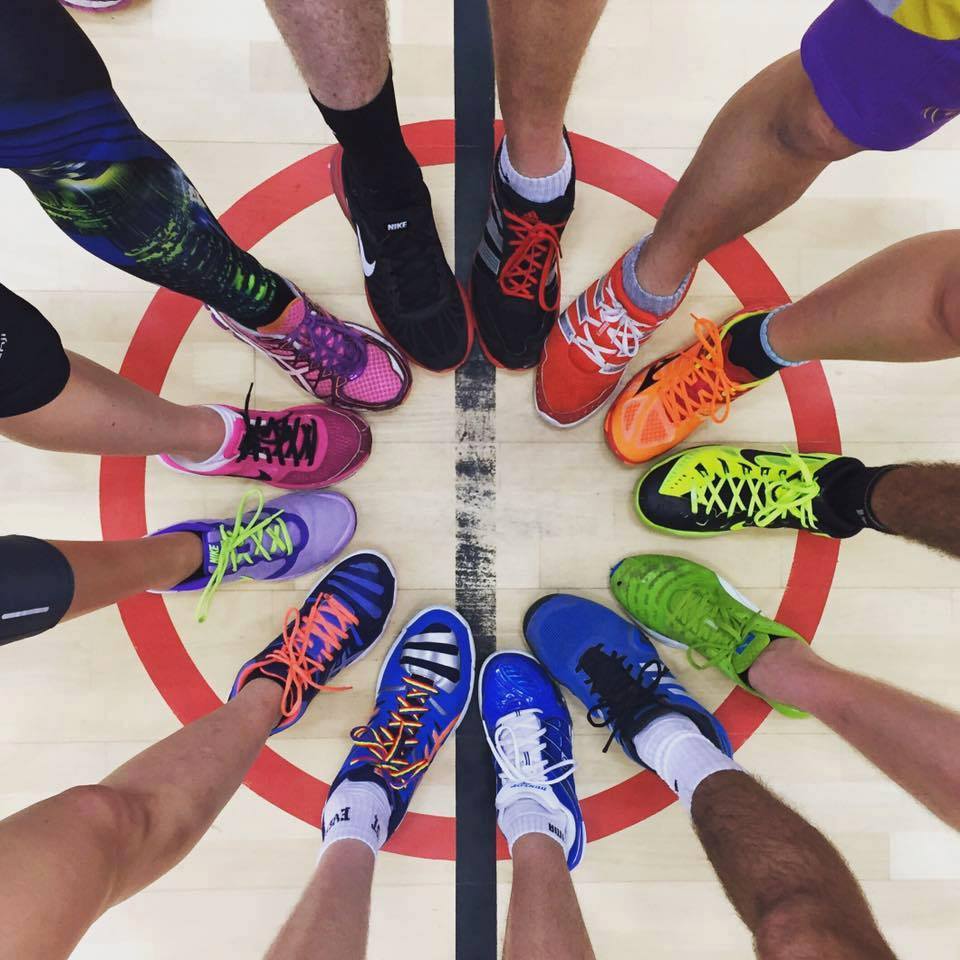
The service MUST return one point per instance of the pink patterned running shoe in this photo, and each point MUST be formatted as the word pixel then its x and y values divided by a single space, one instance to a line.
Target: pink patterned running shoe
pixel 300 448
pixel 345 363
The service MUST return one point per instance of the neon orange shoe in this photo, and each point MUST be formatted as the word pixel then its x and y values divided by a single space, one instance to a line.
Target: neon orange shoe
pixel 667 400
pixel 589 348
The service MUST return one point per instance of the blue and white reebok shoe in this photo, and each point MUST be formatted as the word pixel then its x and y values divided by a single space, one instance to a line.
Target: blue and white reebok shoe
pixel 423 692
pixel 612 667
pixel 528 728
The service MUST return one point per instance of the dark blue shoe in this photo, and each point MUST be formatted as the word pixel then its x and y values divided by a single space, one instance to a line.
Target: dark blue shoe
pixel 528 728
pixel 423 692
pixel 612 667
pixel 339 622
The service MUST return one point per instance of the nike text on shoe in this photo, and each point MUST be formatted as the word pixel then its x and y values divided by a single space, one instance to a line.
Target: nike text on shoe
pixel 300 448
pixel 286 538
pixel 683 604
pixel 347 364
pixel 669 399
pixel 612 667
pixel 423 692
pixel 710 490
pixel 342 618
pixel 589 349
pixel 528 728
pixel 515 285
pixel 411 290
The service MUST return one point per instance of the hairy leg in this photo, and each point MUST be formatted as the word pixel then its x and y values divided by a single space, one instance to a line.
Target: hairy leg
pixel 538 46
pixel 544 918
pixel 100 412
pixel 331 920
pixel 910 739
pixel 68 859
pixel 901 305
pixel 341 46
pixel 760 154
pixel 788 883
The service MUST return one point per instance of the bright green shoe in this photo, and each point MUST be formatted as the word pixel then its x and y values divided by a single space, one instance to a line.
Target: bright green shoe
pixel 683 604
pixel 706 491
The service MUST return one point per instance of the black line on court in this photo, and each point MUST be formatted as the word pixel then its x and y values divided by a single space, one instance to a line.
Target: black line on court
pixel 476 491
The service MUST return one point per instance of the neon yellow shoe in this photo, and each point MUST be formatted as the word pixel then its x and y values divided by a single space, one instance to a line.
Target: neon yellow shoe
pixel 683 604
pixel 710 490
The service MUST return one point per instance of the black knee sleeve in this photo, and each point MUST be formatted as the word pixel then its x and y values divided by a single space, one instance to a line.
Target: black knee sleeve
pixel 36 587
pixel 34 368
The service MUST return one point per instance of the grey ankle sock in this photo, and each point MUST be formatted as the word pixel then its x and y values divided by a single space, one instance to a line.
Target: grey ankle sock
pixel 653 303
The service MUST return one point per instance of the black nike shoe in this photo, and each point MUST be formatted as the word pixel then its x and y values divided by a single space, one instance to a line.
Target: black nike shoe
pixel 515 286
pixel 412 292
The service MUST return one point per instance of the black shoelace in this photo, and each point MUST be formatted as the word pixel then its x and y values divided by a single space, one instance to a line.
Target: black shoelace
pixel 277 439
pixel 621 696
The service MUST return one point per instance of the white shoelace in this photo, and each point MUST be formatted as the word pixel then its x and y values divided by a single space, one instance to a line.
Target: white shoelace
pixel 518 746
pixel 625 333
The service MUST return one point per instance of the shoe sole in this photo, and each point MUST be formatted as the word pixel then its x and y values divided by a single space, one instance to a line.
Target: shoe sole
pixel 336 180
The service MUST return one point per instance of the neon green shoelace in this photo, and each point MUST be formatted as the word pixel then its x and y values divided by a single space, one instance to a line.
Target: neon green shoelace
pixel 265 538
pixel 764 498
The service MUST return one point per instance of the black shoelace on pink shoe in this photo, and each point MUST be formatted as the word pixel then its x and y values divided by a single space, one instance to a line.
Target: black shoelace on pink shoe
pixel 277 439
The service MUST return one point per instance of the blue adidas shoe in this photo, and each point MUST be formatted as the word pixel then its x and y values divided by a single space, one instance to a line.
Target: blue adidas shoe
pixel 339 622
pixel 528 728
pixel 423 692
pixel 612 667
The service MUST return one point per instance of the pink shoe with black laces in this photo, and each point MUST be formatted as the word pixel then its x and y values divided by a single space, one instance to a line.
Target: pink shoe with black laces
pixel 300 448
pixel 343 363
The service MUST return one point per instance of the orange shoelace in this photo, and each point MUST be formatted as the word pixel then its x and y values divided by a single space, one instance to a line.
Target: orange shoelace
pixel 328 621
pixel 698 384
pixel 390 745
pixel 536 249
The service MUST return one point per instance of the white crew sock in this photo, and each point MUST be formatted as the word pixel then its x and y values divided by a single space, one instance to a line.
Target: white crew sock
pixel 356 810
pixel 537 189
pixel 219 459
pixel 681 755
pixel 523 813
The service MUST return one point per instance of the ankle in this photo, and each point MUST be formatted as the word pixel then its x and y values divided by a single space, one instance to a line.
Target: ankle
pixel 203 431
pixel 657 272
pixel 790 672
pixel 536 152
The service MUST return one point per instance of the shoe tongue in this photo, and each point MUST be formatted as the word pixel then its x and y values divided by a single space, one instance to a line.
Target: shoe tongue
pixel 747 651
pixel 517 790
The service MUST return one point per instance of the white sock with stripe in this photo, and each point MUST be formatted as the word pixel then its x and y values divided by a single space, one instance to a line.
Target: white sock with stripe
pixel 356 810
pixel 537 189
pixel 680 754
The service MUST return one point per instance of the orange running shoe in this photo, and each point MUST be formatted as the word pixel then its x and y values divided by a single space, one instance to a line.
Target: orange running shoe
pixel 667 400
pixel 589 348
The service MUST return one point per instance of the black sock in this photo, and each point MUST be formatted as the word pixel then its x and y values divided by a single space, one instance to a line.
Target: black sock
pixel 373 145
pixel 746 348
pixel 848 491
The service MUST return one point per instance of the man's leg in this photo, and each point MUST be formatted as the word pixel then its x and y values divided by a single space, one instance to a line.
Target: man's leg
pixel 910 739
pixel 789 884
pixel 70 858
pixel 314 931
pixel 544 918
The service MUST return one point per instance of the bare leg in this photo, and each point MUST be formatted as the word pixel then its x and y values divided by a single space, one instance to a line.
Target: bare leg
pixel 903 304
pixel 101 412
pixel 538 46
pixel 544 918
pixel 341 47
pixel 318 930
pixel 788 883
pixel 107 571
pixel 70 858
pixel 761 153
pixel 910 739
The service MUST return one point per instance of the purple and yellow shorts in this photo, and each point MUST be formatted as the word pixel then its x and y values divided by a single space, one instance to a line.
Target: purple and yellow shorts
pixel 884 85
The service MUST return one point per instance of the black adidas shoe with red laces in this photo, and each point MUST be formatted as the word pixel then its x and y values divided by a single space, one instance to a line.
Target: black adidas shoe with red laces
pixel 515 287
pixel 412 292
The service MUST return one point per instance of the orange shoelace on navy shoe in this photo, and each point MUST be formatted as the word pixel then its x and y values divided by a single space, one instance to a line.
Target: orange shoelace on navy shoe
pixel 299 633
pixel 696 383
pixel 390 744
pixel 536 249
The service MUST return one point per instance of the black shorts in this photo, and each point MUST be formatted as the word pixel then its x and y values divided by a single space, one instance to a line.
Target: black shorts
pixel 36 587
pixel 34 368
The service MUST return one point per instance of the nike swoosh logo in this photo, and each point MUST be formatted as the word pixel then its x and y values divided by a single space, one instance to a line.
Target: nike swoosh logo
pixel 368 267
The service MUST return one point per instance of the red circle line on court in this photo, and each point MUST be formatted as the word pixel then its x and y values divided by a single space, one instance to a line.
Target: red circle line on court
pixel 147 362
